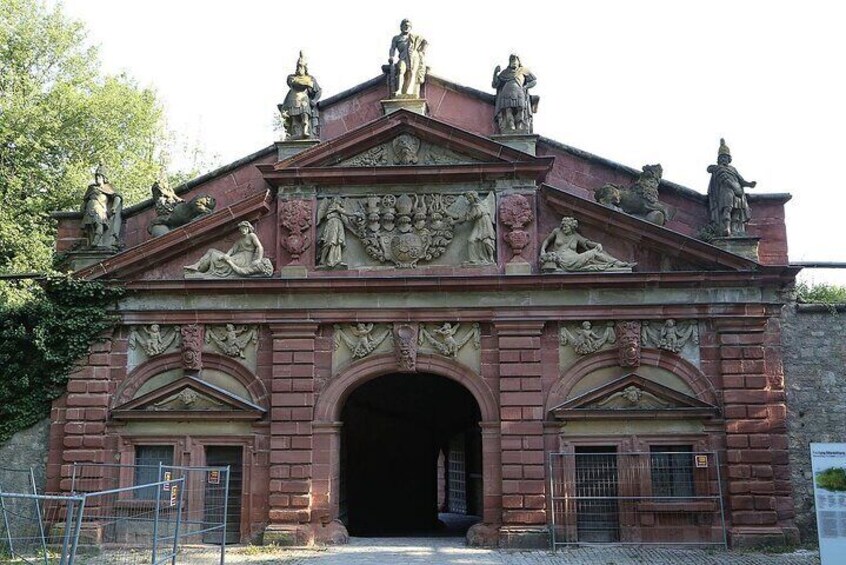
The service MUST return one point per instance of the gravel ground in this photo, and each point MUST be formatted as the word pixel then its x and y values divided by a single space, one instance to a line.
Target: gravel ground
pixel 452 551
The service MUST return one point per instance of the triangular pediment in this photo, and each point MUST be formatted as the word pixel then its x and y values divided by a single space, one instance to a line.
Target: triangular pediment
pixel 405 146
pixel 633 396
pixel 654 248
pixel 188 397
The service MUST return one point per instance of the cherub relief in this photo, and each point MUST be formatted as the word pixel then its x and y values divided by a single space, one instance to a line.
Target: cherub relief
pixel 363 341
pixel 232 340
pixel 671 336
pixel 585 340
pixel 152 339
pixel 443 338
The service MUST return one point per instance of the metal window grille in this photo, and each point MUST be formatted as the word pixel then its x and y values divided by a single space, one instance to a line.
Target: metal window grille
pixel 668 495
pixel 147 461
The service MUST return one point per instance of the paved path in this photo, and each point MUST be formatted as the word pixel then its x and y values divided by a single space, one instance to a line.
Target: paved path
pixel 452 551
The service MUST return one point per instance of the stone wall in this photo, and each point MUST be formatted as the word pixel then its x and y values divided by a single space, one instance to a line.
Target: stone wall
pixel 27 448
pixel 814 341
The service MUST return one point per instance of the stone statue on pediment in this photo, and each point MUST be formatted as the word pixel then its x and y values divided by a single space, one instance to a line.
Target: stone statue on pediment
pixel 640 199
pixel 244 259
pixel 727 202
pixel 164 198
pixel 299 110
pixel 101 212
pixel 567 251
pixel 407 62
pixel 513 111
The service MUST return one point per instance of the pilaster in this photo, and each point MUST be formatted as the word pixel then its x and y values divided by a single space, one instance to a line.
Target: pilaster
pixel 522 441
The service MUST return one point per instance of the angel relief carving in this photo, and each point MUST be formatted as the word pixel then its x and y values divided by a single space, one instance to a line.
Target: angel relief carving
pixel 445 338
pixel 152 339
pixel 632 397
pixel 671 335
pixel 232 340
pixel 361 340
pixel 585 339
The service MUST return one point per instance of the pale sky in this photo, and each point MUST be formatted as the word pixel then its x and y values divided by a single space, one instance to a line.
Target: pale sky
pixel 636 82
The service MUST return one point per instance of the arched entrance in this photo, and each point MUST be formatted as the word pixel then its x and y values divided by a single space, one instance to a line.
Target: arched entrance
pixel 411 448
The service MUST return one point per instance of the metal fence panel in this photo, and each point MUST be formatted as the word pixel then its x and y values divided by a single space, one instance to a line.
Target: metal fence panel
pixel 664 496
pixel 204 514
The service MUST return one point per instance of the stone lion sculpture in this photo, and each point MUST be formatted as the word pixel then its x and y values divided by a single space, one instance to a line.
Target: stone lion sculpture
pixel 183 213
pixel 640 199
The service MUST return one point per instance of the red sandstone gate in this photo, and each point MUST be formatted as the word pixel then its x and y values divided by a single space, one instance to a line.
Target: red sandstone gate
pixel 668 495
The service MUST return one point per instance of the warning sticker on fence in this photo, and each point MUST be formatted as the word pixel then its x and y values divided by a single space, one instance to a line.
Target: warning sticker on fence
pixel 214 477
pixel 701 461
pixel 168 476
pixel 174 494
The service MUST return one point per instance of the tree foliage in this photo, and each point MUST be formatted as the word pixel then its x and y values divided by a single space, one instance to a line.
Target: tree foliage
pixel 59 116
pixel 832 479
pixel 821 293
pixel 41 341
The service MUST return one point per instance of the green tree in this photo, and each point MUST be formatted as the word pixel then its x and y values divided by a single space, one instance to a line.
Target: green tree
pixel 59 116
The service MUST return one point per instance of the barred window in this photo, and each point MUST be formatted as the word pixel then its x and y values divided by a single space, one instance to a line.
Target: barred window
pixel 672 470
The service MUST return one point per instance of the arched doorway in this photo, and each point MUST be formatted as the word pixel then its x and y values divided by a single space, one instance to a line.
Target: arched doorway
pixel 411 457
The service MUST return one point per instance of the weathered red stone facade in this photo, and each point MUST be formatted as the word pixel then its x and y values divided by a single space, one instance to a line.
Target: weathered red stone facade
pixel 287 401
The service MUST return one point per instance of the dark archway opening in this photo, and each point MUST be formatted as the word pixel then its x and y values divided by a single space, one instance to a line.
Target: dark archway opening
pixel 411 457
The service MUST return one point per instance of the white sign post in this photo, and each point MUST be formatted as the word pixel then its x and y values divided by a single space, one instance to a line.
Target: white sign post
pixel 828 466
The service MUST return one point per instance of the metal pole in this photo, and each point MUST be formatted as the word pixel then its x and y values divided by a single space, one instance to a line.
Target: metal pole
pixel 66 537
pixel 79 517
pixel 178 521
pixel 156 518
pixel 38 514
pixel 552 499
pixel 73 479
pixel 6 522
pixel 722 510
pixel 225 516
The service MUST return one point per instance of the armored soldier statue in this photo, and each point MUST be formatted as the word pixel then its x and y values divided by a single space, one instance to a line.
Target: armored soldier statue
pixel 727 202
pixel 101 212
pixel 299 110
pixel 513 112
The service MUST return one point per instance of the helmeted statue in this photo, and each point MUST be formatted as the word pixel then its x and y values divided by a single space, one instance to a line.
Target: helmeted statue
pixel 101 212
pixel 299 110
pixel 727 202
pixel 513 112
pixel 408 70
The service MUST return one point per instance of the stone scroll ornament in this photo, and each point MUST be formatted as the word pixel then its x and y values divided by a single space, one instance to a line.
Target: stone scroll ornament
pixel 446 339
pixel 640 199
pixel 192 347
pixel 516 213
pixel 295 216
pixel 628 343
pixel 232 340
pixel 567 251
pixel 671 335
pixel 405 346
pixel 361 339
pixel 585 339
pixel 244 259
pixel 153 339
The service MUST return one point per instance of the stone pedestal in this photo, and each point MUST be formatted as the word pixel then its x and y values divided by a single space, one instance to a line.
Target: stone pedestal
pixel 416 105
pixel 294 272
pixel 77 260
pixel 518 267
pixel 744 246
pixel 289 148
pixel 525 142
